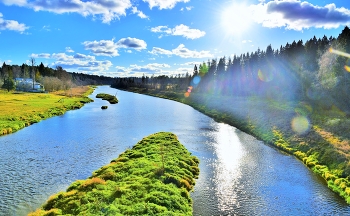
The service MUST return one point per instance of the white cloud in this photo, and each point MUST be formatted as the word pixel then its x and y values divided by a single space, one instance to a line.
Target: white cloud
pixel 139 13
pixel 191 63
pixel 185 31
pixel 155 69
pixel 78 62
pixel 246 41
pixel 164 4
pixel 133 43
pixel 181 51
pixel 139 70
pixel 41 55
pixel 157 65
pixel 8 62
pixel 107 10
pixel 183 70
pixel 162 29
pixel 187 8
pixel 121 69
pixel 102 47
pixel 297 15
pixel 12 25
pixel 110 48
pixel 68 49
pixel 179 30
pixel 15 2
pixel 84 57
pixel 157 50
pixel 46 28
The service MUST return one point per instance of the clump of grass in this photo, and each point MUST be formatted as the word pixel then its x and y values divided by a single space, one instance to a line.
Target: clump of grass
pixel 154 177
pixel 110 98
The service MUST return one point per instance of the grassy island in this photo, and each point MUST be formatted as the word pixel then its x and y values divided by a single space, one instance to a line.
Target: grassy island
pixel 318 137
pixel 110 98
pixel 152 178
pixel 20 109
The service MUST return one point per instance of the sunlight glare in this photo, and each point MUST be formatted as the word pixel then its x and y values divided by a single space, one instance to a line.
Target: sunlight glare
pixel 229 151
pixel 265 76
pixel 300 124
pixel 236 19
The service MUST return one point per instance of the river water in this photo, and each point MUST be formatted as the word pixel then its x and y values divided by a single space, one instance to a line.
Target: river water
pixel 239 175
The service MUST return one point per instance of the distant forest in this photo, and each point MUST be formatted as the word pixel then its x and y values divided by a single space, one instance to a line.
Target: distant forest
pixel 52 79
pixel 310 71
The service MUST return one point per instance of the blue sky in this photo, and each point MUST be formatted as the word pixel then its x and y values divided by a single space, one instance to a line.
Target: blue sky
pixel 162 37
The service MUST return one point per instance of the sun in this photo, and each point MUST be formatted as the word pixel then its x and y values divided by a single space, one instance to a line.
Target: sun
pixel 236 19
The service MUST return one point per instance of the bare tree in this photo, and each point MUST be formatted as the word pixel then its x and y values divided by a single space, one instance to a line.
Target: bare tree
pixel 32 60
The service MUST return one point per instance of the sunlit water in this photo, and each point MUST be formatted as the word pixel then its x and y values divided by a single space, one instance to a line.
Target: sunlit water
pixel 239 175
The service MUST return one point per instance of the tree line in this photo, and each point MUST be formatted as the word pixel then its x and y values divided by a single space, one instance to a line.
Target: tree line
pixel 297 71
pixel 53 79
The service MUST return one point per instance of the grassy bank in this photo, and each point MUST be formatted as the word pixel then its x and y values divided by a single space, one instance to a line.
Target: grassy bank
pixel 152 178
pixel 319 138
pixel 20 109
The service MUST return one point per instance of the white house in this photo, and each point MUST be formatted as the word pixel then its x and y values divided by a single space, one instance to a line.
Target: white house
pixel 26 84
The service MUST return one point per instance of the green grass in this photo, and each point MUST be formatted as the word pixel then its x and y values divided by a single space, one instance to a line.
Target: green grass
pixel 324 147
pixel 19 110
pixel 110 98
pixel 153 178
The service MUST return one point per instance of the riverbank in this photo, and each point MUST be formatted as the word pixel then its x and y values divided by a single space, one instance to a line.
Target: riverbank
pixel 154 177
pixel 21 109
pixel 319 138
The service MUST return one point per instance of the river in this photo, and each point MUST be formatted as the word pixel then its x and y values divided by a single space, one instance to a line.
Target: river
pixel 239 175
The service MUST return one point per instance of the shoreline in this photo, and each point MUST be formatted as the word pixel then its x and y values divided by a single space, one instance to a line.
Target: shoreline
pixel 22 109
pixel 254 116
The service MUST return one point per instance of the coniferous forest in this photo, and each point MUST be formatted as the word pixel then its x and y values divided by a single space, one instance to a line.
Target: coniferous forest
pixel 300 70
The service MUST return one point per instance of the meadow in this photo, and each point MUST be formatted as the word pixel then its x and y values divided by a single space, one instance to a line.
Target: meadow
pixel 154 177
pixel 318 137
pixel 21 109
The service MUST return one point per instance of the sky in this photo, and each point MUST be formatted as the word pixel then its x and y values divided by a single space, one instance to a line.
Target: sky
pixel 129 38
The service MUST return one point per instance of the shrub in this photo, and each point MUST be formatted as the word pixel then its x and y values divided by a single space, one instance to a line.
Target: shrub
pixel 110 98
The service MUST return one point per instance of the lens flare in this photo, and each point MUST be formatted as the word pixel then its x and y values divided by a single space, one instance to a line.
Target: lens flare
pixel 300 124
pixel 265 76
pixel 347 68
pixel 196 80
pixel 331 50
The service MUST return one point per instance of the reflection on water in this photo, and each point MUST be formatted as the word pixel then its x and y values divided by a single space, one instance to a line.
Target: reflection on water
pixel 227 174
pixel 239 175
